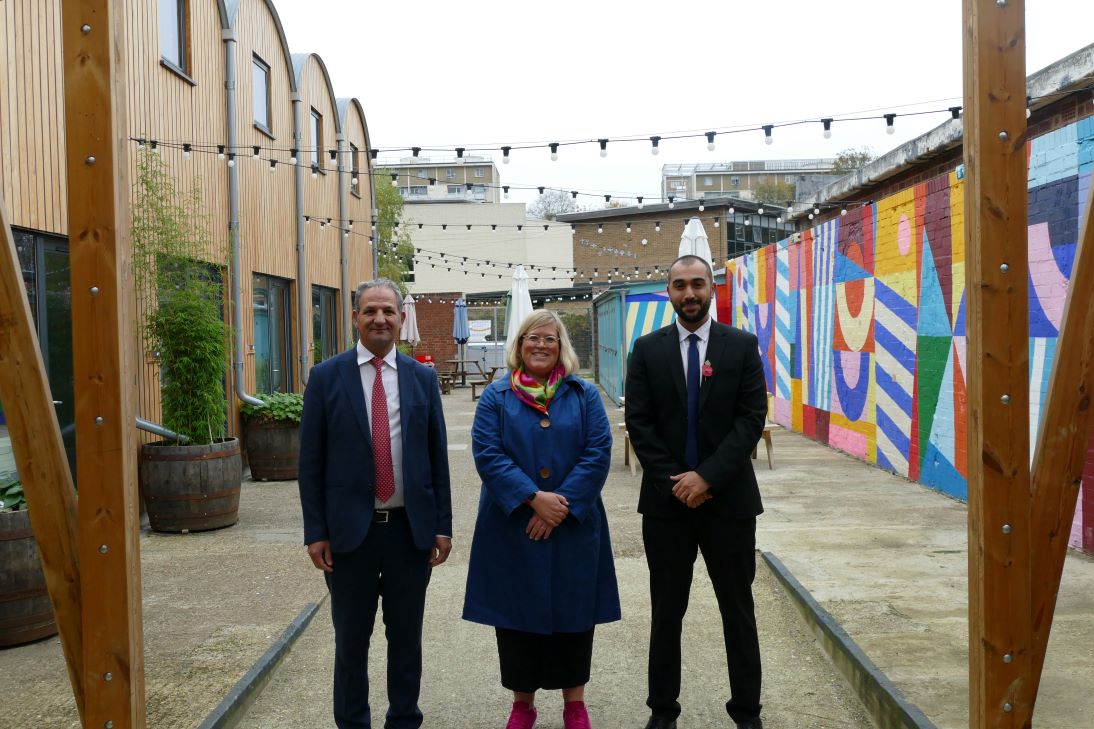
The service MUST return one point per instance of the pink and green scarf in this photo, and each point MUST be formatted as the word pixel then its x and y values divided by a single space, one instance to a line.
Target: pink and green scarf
pixel 531 392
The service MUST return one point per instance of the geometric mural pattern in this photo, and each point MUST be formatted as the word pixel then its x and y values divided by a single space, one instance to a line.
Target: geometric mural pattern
pixel 861 320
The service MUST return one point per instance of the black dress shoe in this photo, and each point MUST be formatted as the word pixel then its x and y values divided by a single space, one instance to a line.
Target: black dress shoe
pixel 756 723
pixel 661 722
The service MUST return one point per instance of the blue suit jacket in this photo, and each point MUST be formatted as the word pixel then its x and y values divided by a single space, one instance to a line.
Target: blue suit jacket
pixel 337 476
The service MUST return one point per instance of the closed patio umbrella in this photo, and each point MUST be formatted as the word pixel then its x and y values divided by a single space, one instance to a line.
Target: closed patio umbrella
pixel 520 303
pixel 409 331
pixel 694 242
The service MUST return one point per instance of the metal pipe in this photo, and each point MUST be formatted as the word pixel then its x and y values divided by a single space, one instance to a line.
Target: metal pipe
pixel 374 238
pixel 156 428
pixel 343 213
pixel 229 38
pixel 302 293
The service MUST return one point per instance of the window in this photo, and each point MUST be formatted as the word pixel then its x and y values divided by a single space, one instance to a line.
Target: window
pixel 354 153
pixel 317 138
pixel 272 334
pixel 324 323
pixel 260 72
pixel 708 181
pixel 735 181
pixel 417 190
pixel 421 174
pixel 478 192
pixel 455 190
pixel 173 40
pixel 450 174
pixel 480 172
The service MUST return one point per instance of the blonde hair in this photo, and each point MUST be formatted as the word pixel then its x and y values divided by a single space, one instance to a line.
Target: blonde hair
pixel 538 318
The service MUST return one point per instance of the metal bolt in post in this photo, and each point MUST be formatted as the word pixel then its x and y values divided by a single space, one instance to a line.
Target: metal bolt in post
pixel 1004 267
pixel 108 676
pixel 94 290
pixel 1003 136
pixel 1007 658
pixel 1006 529
pixel 89 160
pixel 98 420
pixel 85 28
pixel 103 549
pixel 1005 399
pixel 1007 707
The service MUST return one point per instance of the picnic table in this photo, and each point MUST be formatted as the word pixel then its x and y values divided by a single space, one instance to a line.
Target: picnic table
pixel 462 368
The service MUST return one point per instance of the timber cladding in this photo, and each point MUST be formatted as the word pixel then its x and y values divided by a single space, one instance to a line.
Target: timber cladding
pixel 186 104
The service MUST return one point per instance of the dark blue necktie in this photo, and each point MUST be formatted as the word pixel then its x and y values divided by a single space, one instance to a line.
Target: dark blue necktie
pixel 691 449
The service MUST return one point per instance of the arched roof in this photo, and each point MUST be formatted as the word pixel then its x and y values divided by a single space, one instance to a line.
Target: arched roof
pixel 299 61
pixel 229 13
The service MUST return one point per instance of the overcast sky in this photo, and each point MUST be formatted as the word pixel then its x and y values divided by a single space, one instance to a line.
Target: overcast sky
pixel 450 74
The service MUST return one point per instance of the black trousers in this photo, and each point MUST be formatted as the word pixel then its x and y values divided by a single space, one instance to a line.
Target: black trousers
pixel 531 661
pixel 387 567
pixel 729 550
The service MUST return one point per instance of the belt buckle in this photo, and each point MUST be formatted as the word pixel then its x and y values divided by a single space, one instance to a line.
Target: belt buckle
pixel 381 516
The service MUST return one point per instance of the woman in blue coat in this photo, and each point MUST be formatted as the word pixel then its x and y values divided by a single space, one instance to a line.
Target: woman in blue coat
pixel 541 569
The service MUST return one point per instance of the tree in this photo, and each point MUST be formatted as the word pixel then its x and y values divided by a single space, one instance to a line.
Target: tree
pixel 395 252
pixel 551 204
pixel 775 192
pixel 851 159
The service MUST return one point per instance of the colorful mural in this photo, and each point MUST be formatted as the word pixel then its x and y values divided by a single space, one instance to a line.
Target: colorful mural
pixel 861 320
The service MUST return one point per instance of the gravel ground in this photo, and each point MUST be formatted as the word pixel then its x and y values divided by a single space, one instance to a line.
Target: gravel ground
pixel 213 603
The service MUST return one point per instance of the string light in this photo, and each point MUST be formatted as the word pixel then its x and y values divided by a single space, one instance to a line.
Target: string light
pixel 603 147
pixel 505 191
pixel 292 156
pixel 827 127
pixel 717 222
pixel 257 152
pixel 273 165
pixel 459 155
pixel 415 151
pixel 767 133
pixel 654 141
pixel 671 203
pixel 554 151
pixel 231 159
pixel 640 206
pixel 702 206
pixel 657 226
pixel 710 141
pixel 505 154
pixel 186 151
pixel 889 127
pixel 394 179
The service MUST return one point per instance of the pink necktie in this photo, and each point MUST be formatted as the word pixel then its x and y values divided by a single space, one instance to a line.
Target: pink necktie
pixel 381 437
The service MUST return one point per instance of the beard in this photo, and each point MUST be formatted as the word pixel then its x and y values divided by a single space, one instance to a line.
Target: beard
pixel 704 308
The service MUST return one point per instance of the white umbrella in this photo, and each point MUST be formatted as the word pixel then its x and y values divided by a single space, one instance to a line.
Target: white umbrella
pixel 409 331
pixel 520 303
pixel 694 242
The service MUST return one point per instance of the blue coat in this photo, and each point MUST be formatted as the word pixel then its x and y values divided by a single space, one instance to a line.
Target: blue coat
pixel 565 583
pixel 337 475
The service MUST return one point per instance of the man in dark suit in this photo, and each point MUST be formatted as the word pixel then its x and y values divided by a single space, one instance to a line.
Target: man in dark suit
pixel 374 487
pixel 696 402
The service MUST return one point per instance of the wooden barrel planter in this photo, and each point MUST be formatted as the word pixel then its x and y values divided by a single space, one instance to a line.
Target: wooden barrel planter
pixel 273 450
pixel 191 488
pixel 25 611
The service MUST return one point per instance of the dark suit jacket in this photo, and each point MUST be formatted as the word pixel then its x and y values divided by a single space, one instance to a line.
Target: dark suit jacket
pixel 337 489
pixel 732 412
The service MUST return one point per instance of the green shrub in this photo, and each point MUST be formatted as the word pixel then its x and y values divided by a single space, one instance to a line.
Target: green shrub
pixel 11 496
pixel 280 407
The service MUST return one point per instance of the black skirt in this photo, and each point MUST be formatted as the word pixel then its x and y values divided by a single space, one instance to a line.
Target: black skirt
pixel 531 661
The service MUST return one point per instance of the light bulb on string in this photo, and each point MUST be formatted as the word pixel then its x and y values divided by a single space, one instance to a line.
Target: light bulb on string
pixel 607 199
pixel 717 221
pixel 827 127
pixel 541 188
pixel 220 152
pixel 273 165
pixel 186 151
pixel 640 204
pixel 505 191
pixel 603 147
pixel 657 226
pixel 710 141
pixel 702 206
pixel 816 208
pixel 231 159
pixel 257 152
pixel 843 211
pixel 459 155
pixel 394 179
pixel 505 155
pixel 890 128
pixel 645 241
pixel 768 128
pixel 760 210
pixel 599 228
pixel 554 151
pixel 672 204
pixel 654 141
pixel 292 156
pixel 628 227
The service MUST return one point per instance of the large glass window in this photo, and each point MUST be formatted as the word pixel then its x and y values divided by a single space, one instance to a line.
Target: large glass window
pixel 272 334
pixel 173 33
pixel 261 91
pixel 324 316
pixel 354 154
pixel 317 138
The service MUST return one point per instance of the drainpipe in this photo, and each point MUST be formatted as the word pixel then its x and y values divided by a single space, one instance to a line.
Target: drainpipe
pixel 343 213
pixel 159 430
pixel 229 38
pixel 374 238
pixel 302 294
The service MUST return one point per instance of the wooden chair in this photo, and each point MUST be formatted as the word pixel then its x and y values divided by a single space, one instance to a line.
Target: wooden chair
pixel 475 385
pixel 446 382
pixel 630 458
pixel 769 426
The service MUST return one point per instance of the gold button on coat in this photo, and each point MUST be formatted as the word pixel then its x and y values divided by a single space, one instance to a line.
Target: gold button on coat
pixel 545 423
pixel 544 473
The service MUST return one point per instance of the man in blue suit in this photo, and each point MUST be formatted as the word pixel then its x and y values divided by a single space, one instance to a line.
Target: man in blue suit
pixel 374 488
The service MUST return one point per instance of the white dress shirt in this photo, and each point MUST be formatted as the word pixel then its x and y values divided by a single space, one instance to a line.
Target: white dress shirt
pixel 703 333
pixel 394 418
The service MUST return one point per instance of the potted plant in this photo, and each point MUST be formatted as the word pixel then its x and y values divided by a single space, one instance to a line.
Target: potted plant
pixel 25 611
pixel 273 436
pixel 194 485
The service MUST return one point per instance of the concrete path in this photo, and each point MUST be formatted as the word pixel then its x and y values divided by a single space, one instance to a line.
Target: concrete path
pixel 885 556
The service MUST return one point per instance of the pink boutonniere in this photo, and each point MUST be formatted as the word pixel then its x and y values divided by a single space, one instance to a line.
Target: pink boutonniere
pixel 707 369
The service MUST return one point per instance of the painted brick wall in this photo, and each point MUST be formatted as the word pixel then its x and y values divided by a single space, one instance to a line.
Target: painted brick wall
pixel 435 313
pixel 861 319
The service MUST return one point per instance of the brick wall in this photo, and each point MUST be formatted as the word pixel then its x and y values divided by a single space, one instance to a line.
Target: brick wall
pixel 435 315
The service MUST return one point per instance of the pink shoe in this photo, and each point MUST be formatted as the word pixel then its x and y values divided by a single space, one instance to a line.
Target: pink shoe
pixel 522 716
pixel 574 715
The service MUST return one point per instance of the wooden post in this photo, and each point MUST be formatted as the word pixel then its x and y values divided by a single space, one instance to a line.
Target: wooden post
pixel 1062 442
pixel 40 456
pixel 103 361
pixel 998 374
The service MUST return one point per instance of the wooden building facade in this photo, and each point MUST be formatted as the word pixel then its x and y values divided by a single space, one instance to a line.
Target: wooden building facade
pixel 201 74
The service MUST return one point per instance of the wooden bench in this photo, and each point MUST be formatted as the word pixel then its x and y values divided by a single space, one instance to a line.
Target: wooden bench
pixel 629 456
pixel 446 382
pixel 769 425
pixel 475 385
